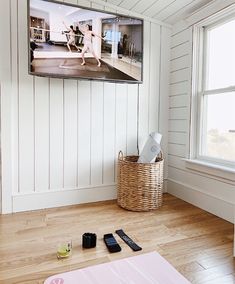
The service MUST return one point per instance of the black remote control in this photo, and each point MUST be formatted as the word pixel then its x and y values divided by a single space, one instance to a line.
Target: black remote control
pixel 128 240
pixel 111 243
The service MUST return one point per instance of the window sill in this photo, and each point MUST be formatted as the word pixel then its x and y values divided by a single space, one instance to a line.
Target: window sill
pixel 222 172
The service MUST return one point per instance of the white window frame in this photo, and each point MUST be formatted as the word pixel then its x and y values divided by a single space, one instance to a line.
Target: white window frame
pixel 196 160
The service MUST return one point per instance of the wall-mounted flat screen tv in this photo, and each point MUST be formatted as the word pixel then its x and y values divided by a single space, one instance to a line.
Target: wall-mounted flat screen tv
pixel 69 41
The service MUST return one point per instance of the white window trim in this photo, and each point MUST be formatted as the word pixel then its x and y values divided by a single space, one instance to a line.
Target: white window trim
pixel 210 166
pixel 212 169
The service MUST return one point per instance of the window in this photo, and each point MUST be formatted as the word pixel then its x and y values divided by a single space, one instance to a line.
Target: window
pixel 214 91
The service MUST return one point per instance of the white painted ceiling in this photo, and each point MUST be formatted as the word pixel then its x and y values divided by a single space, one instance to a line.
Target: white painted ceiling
pixel 169 11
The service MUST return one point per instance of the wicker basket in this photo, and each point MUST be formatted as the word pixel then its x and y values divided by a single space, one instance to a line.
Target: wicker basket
pixel 139 184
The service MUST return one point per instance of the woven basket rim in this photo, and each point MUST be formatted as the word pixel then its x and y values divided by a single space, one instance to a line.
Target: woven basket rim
pixel 124 160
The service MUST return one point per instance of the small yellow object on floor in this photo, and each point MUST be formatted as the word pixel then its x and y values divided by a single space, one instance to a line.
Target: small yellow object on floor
pixel 64 250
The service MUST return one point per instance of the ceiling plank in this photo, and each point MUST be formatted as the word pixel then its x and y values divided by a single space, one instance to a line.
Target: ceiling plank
pixel 128 4
pixel 157 7
pixel 124 11
pixel 214 7
pixel 142 6
pixel 168 11
pixel 173 8
pixel 186 10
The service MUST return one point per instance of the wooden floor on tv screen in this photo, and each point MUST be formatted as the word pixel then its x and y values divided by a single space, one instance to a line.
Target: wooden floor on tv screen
pixel 198 244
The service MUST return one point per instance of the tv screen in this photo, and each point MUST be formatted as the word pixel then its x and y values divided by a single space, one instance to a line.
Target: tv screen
pixel 68 41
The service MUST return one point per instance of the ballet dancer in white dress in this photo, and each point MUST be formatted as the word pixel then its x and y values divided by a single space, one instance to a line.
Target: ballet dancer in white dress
pixel 88 43
pixel 71 40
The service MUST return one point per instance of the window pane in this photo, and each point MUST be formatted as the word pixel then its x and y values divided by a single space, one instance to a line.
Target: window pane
pixel 219 126
pixel 221 56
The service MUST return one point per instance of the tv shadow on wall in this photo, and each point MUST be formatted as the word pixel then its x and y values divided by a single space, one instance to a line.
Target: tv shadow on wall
pixel 68 41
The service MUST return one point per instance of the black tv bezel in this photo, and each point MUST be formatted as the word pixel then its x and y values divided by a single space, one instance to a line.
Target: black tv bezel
pixel 48 75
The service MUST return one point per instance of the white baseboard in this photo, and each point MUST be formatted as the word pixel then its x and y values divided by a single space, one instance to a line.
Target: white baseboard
pixel 214 205
pixel 57 198
pixel 65 197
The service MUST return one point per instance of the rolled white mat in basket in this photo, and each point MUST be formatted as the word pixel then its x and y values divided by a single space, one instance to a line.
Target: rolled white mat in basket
pixel 151 148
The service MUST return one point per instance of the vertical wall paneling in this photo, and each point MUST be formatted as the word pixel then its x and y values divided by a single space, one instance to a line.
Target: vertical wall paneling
pixel 66 134
pixel 144 89
pixel 109 133
pixel 154 83
pixel 97 126
pixel 132 98
pixel 84 133
pixel 26 108
pixel 56 133
pixel 121 120
pixel 70 133
pixel 41 129
pixel 5 92
pixel 97 130
pixel 15 93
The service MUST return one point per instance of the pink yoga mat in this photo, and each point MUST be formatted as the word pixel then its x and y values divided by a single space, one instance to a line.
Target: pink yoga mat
pixel 149 268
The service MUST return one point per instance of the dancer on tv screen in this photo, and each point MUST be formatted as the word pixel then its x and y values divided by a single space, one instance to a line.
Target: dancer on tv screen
pixel 88 34
pixel 71 37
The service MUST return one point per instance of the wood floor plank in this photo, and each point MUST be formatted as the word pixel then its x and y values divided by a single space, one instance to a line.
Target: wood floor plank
pixel 198 244
pixel 228 279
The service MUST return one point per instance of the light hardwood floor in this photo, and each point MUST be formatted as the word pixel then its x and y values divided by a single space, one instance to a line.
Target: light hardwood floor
pixel 196 243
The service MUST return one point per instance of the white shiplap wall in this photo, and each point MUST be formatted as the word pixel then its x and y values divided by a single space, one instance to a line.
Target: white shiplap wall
pixel 60 138
pixel 208 192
